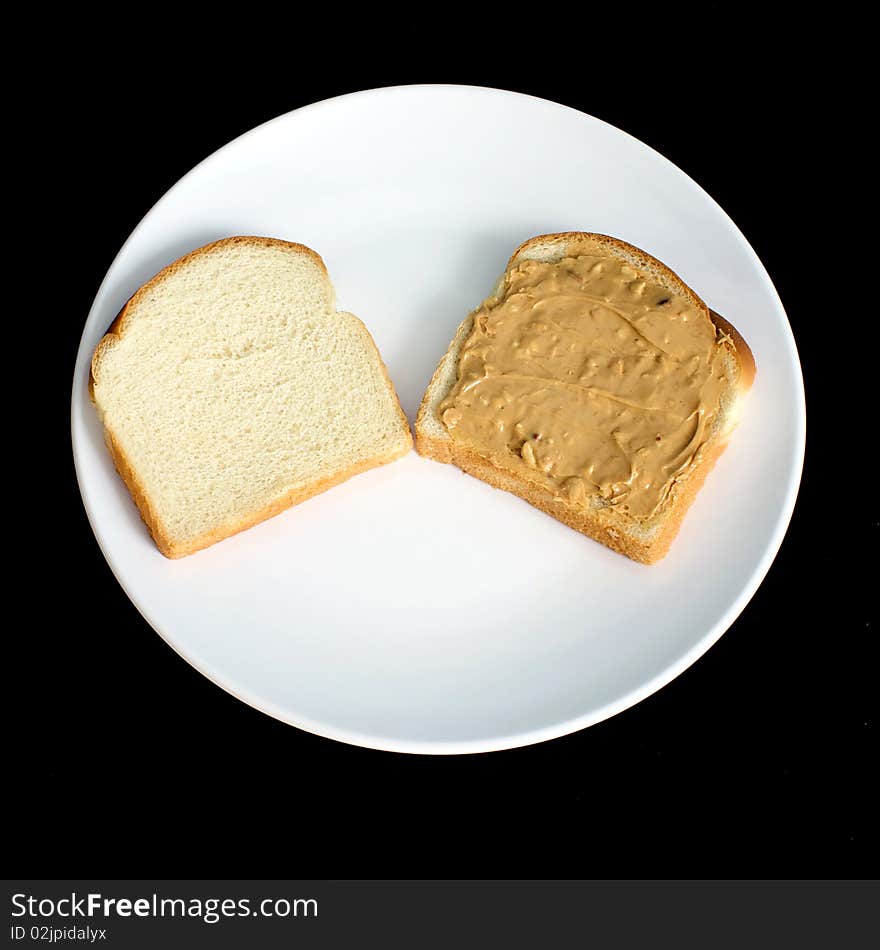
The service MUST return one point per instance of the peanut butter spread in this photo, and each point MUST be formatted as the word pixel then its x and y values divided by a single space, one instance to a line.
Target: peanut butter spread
pixel 588 377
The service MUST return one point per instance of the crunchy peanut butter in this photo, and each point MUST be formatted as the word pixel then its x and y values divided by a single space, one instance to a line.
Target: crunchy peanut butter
pixel 588 377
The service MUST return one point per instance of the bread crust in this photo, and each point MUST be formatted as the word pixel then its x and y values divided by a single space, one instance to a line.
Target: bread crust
pixel 748 369
pixel 164 542
pixel 605 524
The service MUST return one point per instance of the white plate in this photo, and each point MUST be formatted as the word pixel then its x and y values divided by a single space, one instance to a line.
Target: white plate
pixel 415 608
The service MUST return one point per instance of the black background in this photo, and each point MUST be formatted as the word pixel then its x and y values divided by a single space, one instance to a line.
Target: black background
pixel 125 761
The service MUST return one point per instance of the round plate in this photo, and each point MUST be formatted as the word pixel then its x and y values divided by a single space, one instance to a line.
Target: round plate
pixel 414 608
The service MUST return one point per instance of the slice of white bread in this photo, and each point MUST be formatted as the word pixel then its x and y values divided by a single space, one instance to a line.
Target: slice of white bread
pixel 230 389
pixel 642 539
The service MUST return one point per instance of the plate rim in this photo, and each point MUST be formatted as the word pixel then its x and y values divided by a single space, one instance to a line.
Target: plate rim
pixel 519 739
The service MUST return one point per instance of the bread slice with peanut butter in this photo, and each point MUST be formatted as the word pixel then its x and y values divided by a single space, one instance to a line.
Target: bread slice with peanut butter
pixel 230 388
pixel 594 384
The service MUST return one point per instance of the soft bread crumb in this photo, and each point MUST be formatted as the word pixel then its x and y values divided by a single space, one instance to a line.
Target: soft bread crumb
pixel 230 388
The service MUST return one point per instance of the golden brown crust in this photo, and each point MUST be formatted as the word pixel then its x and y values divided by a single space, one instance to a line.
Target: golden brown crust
pixel 601 524
pixel 747 368
pixel 294 496
pixel 139 496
